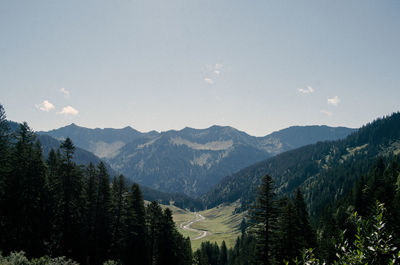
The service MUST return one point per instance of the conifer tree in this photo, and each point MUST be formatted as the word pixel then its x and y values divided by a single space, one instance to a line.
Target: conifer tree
pixel 54 180
pixel 136 227
pixel 288 241
pixel 168 240
pixel 38 204
pixel 102 230
pixel 153 223
pixel 119 192
pixel 223 254
pixel 55 186
pixel 264 214
pixel 91 190
pixel 4 170
pixel 243 253
pixel 71 209
pixel 305 234
pixel 4 148
pixel 185 255
pixel 24 198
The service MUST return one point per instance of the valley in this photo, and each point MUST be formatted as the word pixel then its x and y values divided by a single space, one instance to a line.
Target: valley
pixel 215 225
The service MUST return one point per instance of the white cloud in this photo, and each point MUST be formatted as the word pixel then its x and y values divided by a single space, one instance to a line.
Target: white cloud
pixel 45 106
pixel 326 112
pixel 64 91
pixel 68 110
pixel 307 90
pixel 209 81
pixel 212 73
pixel 334 101
pixel 218 66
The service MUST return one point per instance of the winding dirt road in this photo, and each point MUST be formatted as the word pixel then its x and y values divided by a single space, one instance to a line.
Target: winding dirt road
pixel 187 227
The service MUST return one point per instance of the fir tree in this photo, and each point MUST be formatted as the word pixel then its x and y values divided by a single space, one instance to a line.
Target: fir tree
pixel 4 171
pixel 153 223
pixel 102 230
pixel 136 227
pixel 24 198
pixel 223 254
pixel 119 192
pixel 91 190
pixel 167 241
pixel 305 234
pixel 264 214
pixel 71 206
pixel 288 242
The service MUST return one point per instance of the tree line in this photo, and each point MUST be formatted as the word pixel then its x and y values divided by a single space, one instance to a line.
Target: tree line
pixel 53 207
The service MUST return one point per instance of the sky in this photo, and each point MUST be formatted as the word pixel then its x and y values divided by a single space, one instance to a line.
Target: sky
pixel 258 66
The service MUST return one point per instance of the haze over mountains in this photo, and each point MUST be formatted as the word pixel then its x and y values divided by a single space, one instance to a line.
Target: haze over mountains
pixel 190 160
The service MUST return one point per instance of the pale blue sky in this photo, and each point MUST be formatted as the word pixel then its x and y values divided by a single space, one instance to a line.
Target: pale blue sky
pixel 258 66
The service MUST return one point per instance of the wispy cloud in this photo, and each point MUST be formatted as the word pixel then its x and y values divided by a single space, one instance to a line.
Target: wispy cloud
pixel 326 112
pixel 68 110
pixel 45 106
pixel 213 71
pixel 307 90
pixel 209 81
pixel 64 91
pixel 334 101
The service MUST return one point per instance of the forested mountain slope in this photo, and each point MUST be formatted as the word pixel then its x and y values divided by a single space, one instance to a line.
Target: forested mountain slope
pixel 325 171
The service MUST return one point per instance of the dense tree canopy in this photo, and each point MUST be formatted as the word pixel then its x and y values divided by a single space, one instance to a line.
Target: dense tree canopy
pixel 57 208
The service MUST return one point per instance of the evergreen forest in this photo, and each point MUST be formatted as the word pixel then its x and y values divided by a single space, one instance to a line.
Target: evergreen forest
pixel 57 212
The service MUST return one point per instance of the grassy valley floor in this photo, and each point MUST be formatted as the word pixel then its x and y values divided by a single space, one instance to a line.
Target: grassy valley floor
pixel 220 223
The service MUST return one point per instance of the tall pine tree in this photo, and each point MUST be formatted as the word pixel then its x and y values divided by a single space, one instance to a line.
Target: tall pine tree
pixel 136 228
pixel 71 205
pixel 4 170
pixel 305 233
pixel 102 224
pixel 264 214
pixel 119 192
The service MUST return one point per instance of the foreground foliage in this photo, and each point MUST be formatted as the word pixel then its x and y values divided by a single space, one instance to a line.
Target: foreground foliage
pixel 372 244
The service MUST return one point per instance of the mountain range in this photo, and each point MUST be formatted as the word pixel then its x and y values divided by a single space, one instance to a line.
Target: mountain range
pixel 190 160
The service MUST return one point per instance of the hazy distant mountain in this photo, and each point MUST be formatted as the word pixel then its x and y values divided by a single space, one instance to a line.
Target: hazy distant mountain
pixel 81 156
pixel 104 143
pixel 297 136
pixel 189 160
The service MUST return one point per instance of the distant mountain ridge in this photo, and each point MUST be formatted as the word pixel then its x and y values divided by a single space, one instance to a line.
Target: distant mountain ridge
pixel 81 156
pixel 324 171
pixel 101 142
pixel 189 160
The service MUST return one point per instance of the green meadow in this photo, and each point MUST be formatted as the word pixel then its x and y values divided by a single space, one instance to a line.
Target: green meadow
pixel 220 222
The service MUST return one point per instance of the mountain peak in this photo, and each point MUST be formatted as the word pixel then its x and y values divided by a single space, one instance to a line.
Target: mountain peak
pixel 72 125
